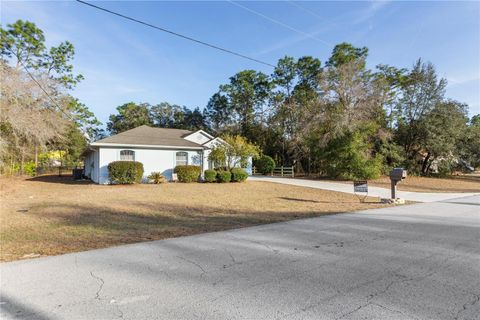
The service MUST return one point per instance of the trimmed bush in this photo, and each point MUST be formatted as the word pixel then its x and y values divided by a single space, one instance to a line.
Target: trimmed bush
pixel 29 168
pixel 224 176
pixel 265 164
pixel 157 178
pixel 125 172
pixel 188 173
pixel 238 175
pixel 210 175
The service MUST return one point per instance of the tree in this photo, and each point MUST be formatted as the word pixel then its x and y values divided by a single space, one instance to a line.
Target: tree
pixel 235 152
pixel 130 115
pixel 469 144
pixel 194 120
pixel 285 74
pixel 297 89
pixel 57 64
pixel 36 113
pixel 72 145
pixel 350 156
pixel 83 118
pixel 24 42
pixel 218 156
pixel 421 91
pixel 247 93
pixel 219 113
pixel 166 115
pixel 345 53
pixel 28 120
pixel 444 127
pixel 372 120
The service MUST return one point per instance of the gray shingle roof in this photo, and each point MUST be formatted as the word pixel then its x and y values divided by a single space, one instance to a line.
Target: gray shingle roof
pixel 145 135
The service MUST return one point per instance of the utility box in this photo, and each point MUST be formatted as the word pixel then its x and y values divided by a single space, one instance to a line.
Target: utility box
pixel 77 174
pixel 396 175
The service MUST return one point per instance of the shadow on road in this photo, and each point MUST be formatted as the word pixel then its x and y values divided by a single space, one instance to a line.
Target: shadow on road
pixel 10 308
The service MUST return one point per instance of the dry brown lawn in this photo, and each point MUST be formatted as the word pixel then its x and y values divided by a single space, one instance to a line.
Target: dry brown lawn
pixel 51 215
pixel 462 183
pixel 424 184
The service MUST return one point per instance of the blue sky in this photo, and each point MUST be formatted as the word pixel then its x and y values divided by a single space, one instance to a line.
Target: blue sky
pixel 123 61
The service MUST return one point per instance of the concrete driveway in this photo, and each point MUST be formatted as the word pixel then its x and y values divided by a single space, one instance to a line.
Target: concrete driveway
pixel 410 262
pixel 372 191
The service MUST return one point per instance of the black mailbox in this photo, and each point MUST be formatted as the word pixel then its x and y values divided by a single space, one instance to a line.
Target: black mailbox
pixel 398 174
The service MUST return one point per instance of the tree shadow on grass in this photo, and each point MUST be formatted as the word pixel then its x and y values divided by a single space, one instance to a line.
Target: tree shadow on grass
pixel 319 201
pixel 64 179
pixel 160 220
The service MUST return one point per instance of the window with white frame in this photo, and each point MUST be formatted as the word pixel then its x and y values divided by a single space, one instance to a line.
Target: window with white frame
pixel 127 155
pixel 181 158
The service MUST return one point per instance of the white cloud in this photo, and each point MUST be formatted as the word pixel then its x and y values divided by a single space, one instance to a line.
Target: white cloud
pixel 369 12
pixel 457 81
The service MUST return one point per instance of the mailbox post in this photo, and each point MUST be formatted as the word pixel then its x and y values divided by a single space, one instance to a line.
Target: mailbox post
pixel 396 175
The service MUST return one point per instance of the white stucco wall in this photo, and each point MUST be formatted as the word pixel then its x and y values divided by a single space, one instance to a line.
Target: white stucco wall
pixel 160 160
pixel 91 166
pixel 88 165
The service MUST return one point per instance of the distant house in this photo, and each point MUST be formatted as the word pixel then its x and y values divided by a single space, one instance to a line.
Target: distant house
pixel 159 149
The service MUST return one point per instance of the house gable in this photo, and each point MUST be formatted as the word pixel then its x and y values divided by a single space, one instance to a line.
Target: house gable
pixel 200 137
pixel 214 142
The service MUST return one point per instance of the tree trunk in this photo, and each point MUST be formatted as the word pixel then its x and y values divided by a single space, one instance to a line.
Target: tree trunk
pixel 22 160
pixel 36 155
pixel 425 163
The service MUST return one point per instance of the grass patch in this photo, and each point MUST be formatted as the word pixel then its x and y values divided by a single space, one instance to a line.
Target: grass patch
pixel 425 184
pixel 54 215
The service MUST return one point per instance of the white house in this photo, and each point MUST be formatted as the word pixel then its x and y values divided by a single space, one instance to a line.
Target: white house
pixel 158 149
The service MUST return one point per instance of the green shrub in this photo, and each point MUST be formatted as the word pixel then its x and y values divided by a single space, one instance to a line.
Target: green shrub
pixel 348 157
pixel 445 168
pixel 157 178
pixel 265 164
pixel 29 168
pixel 238 175
pixel 125 172
pixel 188 173
pixel 210 175
pixel 224 176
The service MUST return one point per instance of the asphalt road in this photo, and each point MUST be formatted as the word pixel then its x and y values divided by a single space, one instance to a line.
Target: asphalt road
pixel 411 262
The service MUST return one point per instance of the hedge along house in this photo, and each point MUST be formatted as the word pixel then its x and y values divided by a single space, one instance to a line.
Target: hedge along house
pixel 158 149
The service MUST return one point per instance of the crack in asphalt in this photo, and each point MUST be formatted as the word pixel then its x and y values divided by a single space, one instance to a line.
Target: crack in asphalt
pixel 97 294
pixel 119 311
pixel 371 296
pixel 431 271
pixel 258 243
pixel 392 310
pixel 195 264
pixel 473 302
pixel 353 311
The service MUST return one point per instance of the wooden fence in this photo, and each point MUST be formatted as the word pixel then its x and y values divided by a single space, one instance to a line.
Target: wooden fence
pixel 279 171
pixel 59 170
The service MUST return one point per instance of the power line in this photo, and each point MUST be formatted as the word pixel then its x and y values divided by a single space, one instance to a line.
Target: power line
pixel 309 35
pixel 176 34
pixel 295 4
pixel 45 91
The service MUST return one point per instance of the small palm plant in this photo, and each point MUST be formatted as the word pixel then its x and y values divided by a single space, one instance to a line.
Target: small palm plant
pixel 157 178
